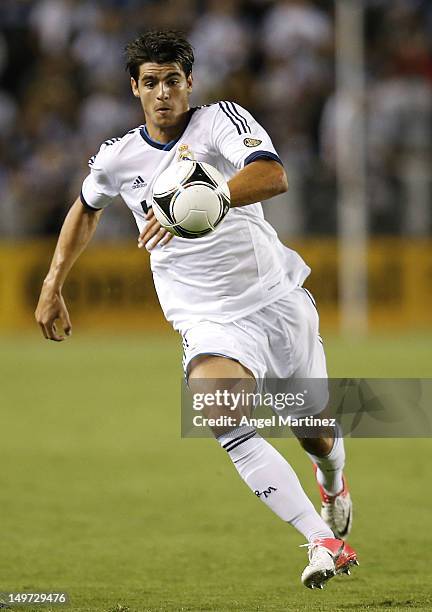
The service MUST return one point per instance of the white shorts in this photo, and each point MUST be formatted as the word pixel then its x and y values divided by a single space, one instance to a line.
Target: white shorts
pixel 280 341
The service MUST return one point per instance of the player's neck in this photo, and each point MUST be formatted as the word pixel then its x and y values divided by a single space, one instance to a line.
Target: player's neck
pixel 165 135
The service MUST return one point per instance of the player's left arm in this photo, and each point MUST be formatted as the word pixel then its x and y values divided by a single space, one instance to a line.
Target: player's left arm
pixel 241 140
pixel 260 180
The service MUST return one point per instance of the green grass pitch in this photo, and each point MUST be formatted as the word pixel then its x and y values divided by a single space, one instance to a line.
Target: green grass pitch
pixel 101 498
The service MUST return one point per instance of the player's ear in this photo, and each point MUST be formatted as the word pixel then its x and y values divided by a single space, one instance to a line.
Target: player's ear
pixel 134 87
pixel 189 81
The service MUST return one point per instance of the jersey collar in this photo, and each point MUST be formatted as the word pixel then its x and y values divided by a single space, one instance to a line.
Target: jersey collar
pixel 167 146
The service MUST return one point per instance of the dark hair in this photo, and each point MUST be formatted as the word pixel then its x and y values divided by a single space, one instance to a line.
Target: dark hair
pixel 159 47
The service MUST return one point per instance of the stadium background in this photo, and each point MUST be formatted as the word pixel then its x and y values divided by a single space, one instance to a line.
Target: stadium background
pixel 99 496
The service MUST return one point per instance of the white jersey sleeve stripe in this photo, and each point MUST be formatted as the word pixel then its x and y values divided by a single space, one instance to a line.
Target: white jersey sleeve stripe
pixel 231 117
pixel 232 110
pixel 242 118
pixel 236 145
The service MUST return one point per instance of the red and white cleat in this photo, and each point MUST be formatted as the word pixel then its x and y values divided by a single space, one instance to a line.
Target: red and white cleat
pixel 328 557
pixel 337 510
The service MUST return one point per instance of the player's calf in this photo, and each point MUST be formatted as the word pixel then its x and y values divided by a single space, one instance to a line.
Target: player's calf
pixel 328 457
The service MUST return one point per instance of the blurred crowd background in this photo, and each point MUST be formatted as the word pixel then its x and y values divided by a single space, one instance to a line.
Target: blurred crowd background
pixel 64 90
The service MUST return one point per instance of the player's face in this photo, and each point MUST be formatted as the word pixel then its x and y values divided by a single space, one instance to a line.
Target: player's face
pixel 164 92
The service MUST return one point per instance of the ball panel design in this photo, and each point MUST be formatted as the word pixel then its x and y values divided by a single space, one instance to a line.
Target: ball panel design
pixel 179 231
pixel 190 198
pixel 196 221
pixel 172 177
pixel 197 197
pixel 224 208
pixel 217 178
pixel 163 205
pixel 161 216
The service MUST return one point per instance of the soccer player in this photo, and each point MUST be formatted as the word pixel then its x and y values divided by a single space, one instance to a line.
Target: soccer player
pixel 235 295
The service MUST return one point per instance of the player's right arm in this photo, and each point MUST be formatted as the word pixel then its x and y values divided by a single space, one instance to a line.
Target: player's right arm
pixel 98 190
pixel 78 228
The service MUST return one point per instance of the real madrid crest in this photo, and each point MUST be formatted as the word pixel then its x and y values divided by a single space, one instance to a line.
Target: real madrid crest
pixel 184 153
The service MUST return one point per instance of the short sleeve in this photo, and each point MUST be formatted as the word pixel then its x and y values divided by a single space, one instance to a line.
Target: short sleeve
pixel 98 188
pixel 239 138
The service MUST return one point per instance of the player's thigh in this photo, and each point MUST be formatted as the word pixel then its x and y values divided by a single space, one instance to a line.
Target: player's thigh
pixel 228 340
pixel 297 364
pixel 309 355
pixel 226 385
pixel 295 346
pixel 311 372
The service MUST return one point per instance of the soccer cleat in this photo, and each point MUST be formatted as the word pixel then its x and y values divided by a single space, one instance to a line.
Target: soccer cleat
pixel 328 557
pixel 337 510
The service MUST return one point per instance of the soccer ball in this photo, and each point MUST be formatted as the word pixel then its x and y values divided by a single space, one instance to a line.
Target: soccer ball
pixel 190 199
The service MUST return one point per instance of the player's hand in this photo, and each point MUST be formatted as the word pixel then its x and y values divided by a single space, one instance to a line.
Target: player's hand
pixel 51 308
pixel 154 233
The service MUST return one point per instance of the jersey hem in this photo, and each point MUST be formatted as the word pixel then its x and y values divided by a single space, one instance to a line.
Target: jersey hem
pixel 284 291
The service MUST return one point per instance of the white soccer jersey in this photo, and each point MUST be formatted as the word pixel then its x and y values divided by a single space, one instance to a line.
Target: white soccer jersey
pixel 229 273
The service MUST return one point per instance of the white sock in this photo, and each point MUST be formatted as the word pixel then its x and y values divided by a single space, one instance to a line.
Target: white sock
pixel 274 481
pixel 330 467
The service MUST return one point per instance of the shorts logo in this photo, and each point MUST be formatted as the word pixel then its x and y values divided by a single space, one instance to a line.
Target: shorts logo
pixel 252 142
pixel 184 153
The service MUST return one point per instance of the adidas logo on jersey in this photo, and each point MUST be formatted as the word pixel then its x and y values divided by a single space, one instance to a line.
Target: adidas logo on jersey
pixel 139 182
